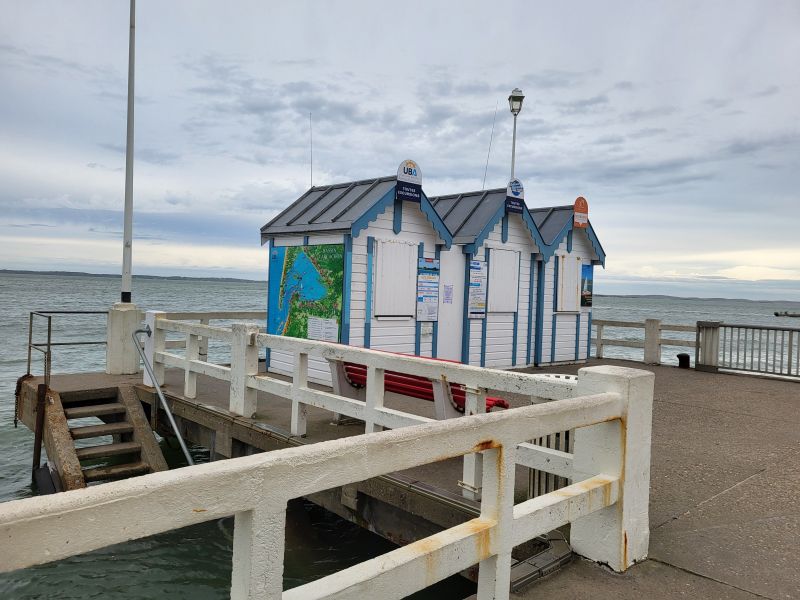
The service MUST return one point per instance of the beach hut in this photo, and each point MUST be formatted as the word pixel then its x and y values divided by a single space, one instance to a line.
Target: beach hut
pixel 378 264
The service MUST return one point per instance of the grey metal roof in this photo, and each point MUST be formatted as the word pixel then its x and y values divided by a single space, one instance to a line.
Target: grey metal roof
pixel 551 220
pixel 328 208
pixel 465 215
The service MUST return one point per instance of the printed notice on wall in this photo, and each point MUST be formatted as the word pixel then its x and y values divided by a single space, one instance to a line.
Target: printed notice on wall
pixel 448 294
pixel 428 289
pixel 324 330
pixel 477 289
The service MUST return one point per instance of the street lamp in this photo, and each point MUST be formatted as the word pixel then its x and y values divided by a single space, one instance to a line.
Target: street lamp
pixel 515 104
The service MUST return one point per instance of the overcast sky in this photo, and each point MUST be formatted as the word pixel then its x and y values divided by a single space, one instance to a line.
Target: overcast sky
pixel 678 121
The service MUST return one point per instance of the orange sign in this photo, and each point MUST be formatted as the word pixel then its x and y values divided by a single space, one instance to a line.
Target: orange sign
pixel 580 212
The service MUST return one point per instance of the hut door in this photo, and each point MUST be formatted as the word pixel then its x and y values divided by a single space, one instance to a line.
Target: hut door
pixel 451 303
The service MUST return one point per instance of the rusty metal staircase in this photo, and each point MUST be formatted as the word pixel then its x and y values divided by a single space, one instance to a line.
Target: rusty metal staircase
pixel 133 449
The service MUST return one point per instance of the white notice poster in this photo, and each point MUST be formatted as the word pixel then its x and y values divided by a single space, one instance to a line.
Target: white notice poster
pixel 477 289
pixel 324 330
pixel 428 289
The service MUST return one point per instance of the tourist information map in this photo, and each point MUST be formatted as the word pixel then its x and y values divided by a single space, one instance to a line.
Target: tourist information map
pixel 305 291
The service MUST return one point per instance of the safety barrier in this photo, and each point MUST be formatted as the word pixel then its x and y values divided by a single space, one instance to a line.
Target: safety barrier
pixel 606 504
pixel 652 342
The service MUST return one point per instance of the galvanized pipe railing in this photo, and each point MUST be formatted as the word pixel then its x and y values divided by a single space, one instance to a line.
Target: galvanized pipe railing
pixel 136 342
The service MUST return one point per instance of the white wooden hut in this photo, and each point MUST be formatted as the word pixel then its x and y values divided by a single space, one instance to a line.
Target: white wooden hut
pixel 466 277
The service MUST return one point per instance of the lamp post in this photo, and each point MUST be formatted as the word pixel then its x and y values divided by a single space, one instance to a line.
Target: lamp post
pixel 515 104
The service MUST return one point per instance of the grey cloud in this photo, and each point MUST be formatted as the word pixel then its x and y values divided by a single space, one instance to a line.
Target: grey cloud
pixel 148 155
pixel 584 105
pixel 646 132
pixel 609 140
pixel 649 113
pixel 623 85
pixel 549 79
pixel 30 225
pixel 767 91
pixel 716 102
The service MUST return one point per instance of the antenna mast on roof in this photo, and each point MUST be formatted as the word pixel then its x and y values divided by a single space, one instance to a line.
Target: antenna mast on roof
pixel 311 147
pixel 491 137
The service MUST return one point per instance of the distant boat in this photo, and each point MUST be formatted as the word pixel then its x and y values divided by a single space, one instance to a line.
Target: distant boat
pixel 786 313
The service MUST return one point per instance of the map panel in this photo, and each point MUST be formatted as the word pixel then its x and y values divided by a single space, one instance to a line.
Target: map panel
pixel 306 282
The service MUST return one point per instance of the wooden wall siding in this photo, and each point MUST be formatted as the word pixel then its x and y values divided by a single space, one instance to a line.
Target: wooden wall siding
pixel 500 326
pixel 565 322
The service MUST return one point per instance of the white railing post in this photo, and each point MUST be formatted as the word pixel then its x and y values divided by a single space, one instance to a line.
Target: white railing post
pixel 707 351
pixel 494 574
pixel 153 343
pixel 203 351
pixel 619 534
pixel 652 341
pixel 122 358
pixel 244 362
pixel 299 381
pixel 258 551
pixel 599 343
pixel 190 377
pixel 374 399
pixel 472 477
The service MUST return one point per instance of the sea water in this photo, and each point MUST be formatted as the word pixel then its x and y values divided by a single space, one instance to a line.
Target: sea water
pixel 195 562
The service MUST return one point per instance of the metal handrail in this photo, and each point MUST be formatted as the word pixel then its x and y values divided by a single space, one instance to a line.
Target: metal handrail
pixel 135 336
pixel 45 347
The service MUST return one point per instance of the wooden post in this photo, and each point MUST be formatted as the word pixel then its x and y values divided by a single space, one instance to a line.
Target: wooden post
pixel 38 433
pixel 375 393
pixel 244 363
pixel 619 534
pixel 599 342
pixel 299 381
pixel 472 477
pixel 652 341
pixel 190 377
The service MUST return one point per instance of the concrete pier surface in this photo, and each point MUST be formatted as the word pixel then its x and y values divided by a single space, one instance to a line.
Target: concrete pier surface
pixel 725 480
pixel 724 495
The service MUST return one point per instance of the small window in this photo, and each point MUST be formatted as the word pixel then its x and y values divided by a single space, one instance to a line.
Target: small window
pixel 569 269
pixel 395 279
pixel 503 281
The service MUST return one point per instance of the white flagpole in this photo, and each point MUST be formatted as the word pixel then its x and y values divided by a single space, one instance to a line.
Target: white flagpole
pixel 127 230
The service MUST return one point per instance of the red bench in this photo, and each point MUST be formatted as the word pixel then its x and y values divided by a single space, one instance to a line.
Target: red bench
pixel 415 386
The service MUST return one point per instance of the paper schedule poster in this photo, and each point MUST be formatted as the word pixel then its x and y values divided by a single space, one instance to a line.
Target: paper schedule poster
pixel 477 289
pixel 428 289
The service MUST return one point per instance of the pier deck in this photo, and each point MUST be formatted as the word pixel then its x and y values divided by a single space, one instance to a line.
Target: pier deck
pixel 725 480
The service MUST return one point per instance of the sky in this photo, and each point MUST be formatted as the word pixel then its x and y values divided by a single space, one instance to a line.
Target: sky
pixel 678 121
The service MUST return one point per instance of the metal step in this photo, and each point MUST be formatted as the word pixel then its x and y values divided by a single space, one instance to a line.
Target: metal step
pixel 94 410
pixel 105 450
pixel 115 471
pixel 90 431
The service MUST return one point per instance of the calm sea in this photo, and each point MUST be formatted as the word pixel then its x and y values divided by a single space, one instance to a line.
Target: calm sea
pixel 195 562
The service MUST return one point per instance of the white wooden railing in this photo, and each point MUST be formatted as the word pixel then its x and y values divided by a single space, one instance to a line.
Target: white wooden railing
pixel 245 342
pixel 652 342
pixel 607 502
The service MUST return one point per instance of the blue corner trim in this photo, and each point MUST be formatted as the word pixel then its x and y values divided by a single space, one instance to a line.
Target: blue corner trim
pixel 465 326
pixel 504 233
pixel 485 324
pixel 417 323
pixel 368 315
pixel 577 336
pixel 397 223
pixel 530 310
pixel 514 334
pixel 436 221
pixel 305 240
pixel 550 250
pixel 569 241
pixel 534 231
pixel 372 213
pixel 589 337
pixel 267 356
pixel 601 254
pixel 555 307
pixel 348 284
pixel 435 338
pixel 540 276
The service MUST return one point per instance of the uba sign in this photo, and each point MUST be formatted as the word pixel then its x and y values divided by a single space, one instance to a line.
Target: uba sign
pixel 409 181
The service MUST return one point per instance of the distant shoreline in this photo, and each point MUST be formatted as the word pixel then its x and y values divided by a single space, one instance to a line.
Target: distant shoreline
pixel 117 276
pixel 241 280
